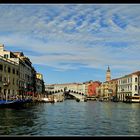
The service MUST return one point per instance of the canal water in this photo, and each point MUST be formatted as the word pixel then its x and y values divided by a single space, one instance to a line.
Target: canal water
pixel 71 118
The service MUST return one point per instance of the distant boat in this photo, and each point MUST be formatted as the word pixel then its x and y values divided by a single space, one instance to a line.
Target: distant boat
pixel 132 99
pixel 46 100
pixel 77 100
pixel 81 100
pixel 100 99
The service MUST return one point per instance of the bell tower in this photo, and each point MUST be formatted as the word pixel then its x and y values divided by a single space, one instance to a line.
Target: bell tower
pixel 108 74
pixel 1 47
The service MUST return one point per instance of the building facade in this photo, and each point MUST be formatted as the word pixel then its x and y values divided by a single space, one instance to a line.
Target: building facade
pixel 26 72
pixel 27 76
pixel 40 88
pixel 106 89
pixel 9 78
pixel 102 90
pixel 128 85
pixel 91 87
pixel 112 87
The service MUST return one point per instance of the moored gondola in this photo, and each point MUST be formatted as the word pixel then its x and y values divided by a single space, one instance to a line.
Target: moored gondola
pixel 13 103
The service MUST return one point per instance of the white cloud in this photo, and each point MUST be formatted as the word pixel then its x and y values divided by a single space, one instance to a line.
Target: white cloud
pixel 41 29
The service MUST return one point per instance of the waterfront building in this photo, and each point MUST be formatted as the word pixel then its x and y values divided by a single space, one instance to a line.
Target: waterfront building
pixel 108 74
pixel 9 78
pixel 128 85
pixel 107 88
pixel 40 88
pixel 26 72
pixel 24 68
pixel 87 83
pixel 98 91
pixel 112 87
pixel 8 55
pixel 90 87
pixel 103 90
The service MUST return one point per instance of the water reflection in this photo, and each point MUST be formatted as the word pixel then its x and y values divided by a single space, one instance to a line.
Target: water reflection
pixel 72 118
pixel 134 121
pixel 14 121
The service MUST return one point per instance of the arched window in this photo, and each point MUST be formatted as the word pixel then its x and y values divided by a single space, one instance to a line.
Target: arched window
pixel 135 87
pixel 136 79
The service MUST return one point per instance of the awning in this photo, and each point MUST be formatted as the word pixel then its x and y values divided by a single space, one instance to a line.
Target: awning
pixel 29 92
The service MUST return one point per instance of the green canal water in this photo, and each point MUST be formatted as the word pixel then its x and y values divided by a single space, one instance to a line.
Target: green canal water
pixel 71 118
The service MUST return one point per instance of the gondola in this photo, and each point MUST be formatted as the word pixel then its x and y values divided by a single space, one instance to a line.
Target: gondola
pixel 13 103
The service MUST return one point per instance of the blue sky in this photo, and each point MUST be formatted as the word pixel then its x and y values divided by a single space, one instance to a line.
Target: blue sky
pixel 74 42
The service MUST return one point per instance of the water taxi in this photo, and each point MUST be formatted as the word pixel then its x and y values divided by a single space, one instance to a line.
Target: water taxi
pixel 133 99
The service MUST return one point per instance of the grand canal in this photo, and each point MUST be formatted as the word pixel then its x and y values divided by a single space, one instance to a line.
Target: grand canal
pixel 71 118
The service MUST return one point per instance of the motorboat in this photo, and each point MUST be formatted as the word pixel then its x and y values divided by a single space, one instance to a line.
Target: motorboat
pixel 132 99
pixel 46 100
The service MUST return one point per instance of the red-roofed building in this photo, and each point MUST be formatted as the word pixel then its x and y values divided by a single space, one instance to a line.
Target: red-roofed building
pixel 91 86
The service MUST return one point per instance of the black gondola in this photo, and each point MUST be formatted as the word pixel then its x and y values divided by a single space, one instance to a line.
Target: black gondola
pixel 13 103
